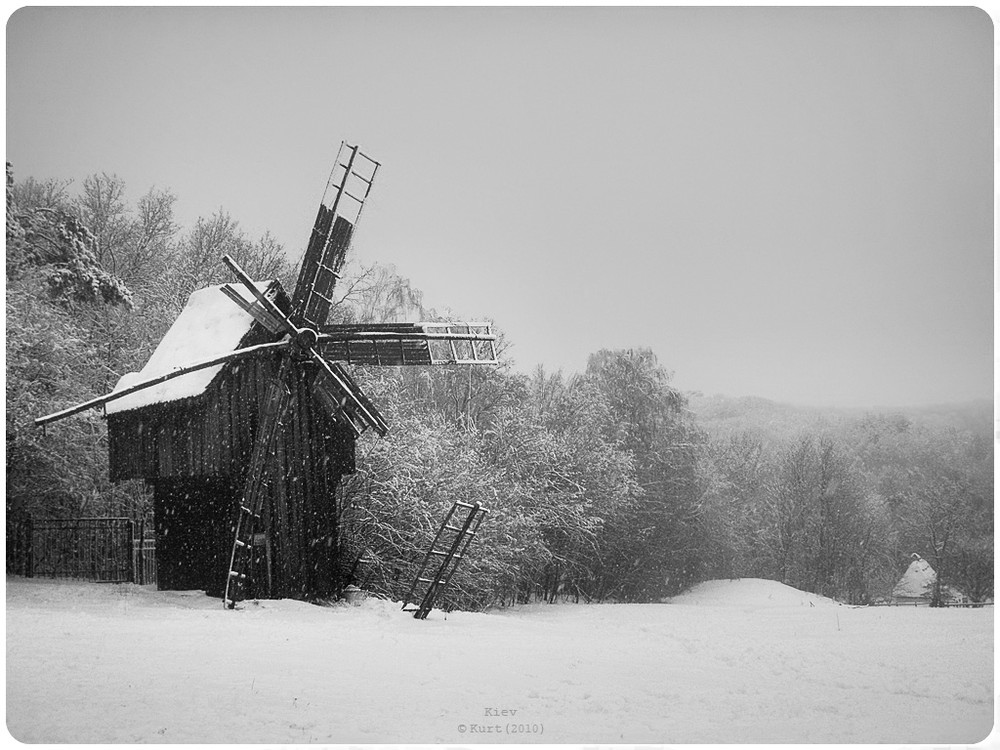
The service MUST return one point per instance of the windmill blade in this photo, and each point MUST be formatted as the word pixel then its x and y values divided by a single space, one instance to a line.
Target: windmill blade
pixel 250 351
pixel 272 413
pixel 256 310
pixel 272 309
pixel 321 266
pixel 339 212
pixel 344 400
pixel 360 345
pixel 391 344
pixel 462 343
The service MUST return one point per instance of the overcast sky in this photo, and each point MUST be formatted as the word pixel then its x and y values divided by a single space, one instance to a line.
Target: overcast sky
pixel 790 203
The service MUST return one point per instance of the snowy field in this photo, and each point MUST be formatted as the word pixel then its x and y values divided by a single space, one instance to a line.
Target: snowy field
pixel 732 661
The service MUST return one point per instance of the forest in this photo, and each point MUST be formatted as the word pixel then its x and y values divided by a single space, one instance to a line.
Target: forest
pixel 604 485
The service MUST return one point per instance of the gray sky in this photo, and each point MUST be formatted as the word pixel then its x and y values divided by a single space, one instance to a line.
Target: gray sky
pixel 791 203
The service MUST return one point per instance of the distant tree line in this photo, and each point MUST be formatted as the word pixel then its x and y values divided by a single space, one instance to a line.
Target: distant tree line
pixel 602 485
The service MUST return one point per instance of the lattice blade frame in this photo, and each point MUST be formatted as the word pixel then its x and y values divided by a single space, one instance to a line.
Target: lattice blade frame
pixel 339 212
pixel 394 344
pixel 454 343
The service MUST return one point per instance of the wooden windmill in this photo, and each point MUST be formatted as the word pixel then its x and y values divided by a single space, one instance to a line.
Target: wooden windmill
pixel 245 445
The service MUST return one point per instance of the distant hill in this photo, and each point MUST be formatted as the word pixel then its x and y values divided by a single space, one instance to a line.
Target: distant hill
pixel 778 422
pixel 973 416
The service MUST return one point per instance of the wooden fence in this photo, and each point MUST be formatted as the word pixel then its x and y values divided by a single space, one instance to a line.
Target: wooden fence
pixel 98 549
pixel 18 543
pixel 925 603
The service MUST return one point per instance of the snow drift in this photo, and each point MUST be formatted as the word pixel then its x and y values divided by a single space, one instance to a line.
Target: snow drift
pixel 732 661
pixel 750 592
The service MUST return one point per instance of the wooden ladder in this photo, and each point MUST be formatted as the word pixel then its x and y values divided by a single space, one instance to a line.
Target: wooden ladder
pixel 252 500
pixel 443 557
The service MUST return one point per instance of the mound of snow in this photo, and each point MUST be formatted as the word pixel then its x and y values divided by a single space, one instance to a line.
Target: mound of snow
pixel 749 592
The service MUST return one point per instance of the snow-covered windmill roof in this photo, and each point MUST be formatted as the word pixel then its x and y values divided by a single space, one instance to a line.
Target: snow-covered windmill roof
pixel 210 325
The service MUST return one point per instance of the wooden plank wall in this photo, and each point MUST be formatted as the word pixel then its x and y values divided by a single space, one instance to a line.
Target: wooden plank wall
pixel 211 438
pixel 311 455
pixel 210 435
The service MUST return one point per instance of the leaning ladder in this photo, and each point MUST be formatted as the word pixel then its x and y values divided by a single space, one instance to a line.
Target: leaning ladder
pixel 252 500
pixel 442 558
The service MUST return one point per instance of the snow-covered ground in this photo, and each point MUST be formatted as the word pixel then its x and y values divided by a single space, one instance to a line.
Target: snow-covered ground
pixel 731 661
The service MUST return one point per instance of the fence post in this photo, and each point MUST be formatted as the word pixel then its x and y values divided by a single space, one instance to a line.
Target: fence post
pixel 29 556
pixel 140 558
pixel 131 550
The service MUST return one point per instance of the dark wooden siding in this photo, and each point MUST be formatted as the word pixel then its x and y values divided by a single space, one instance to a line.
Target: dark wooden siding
pixel 185 439
pixel 311 455
pixel 195 454
pixel 212 435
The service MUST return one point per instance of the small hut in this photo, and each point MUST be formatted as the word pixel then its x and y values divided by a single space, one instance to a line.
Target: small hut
pixel 916 586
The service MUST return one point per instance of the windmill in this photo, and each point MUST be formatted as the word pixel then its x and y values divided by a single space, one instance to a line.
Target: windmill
pixel 224 419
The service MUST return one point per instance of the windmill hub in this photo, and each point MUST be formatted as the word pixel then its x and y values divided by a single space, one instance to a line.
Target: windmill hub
pixel 304 339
